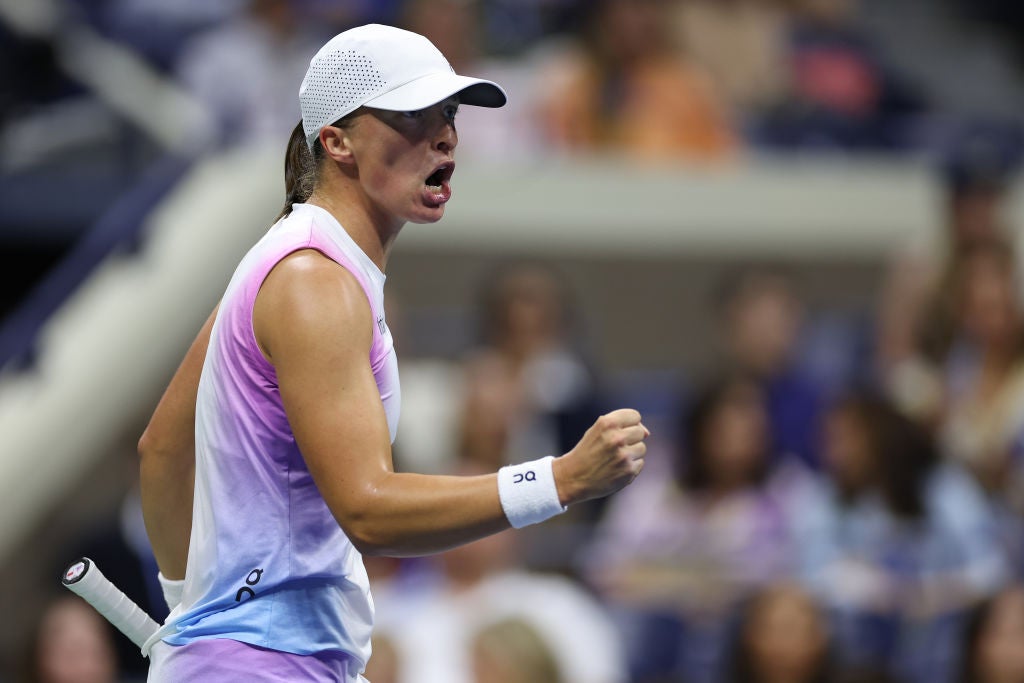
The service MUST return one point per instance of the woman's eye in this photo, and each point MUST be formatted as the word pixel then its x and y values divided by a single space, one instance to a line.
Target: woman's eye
pixel 412 114
pixel 450 112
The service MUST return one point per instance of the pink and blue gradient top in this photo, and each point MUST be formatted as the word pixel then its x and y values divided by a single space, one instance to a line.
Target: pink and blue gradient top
pixel 268 564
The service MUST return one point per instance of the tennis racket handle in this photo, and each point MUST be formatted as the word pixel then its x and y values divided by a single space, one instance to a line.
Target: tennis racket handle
pixel 84 578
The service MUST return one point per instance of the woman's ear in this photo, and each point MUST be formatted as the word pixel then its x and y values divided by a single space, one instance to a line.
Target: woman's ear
pixel 336 144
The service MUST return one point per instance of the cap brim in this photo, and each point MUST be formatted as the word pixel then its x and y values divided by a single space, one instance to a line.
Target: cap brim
pixel 432 88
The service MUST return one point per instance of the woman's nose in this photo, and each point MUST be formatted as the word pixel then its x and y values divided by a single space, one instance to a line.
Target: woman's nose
pixel 447 139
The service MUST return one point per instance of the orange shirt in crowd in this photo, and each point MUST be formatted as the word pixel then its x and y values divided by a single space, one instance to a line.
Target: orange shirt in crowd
pixel 660 108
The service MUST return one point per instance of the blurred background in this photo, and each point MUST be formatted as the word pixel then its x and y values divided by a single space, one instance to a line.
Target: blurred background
pixel 785 230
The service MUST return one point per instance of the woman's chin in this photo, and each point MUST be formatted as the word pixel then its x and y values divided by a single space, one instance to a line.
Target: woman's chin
pixel 427 214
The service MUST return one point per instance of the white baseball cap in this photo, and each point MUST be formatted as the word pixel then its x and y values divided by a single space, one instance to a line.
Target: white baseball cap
pixel 386 68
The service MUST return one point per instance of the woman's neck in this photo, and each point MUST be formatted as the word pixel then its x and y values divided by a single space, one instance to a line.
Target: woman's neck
pixel 368 227
pixel 720 490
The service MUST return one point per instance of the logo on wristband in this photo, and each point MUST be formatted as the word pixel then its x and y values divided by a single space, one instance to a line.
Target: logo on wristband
pixel 520 477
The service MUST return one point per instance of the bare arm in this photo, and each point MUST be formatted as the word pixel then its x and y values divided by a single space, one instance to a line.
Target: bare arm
pixel 167 451
pixel 313 322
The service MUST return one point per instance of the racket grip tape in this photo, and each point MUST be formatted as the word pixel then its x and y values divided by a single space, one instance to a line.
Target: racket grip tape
pixel 85 579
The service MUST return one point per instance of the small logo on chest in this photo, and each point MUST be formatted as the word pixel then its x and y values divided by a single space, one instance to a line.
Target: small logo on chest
pixel 381 326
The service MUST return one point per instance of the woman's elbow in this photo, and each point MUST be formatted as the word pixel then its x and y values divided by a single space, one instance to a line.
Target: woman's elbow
pixel 364 526
pixel 160 453
pixel 368 540
pixel 368 547
pixel 146 446
pixel 150 448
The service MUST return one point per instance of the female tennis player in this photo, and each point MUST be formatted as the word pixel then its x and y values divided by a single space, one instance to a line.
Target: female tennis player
pixel 266 467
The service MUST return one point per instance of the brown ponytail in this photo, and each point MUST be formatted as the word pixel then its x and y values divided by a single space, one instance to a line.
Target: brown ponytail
pixel 302 167
pixel 299 171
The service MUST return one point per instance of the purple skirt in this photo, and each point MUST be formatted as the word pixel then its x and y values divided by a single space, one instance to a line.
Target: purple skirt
pixel 221 660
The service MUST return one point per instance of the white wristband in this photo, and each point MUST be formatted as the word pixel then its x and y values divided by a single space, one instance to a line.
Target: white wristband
pixel 528 492
pixel 172 590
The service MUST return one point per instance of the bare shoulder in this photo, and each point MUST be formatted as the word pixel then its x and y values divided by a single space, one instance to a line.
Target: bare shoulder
pixel 308 294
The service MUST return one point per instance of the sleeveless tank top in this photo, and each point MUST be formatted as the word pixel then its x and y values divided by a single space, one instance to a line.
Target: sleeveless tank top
pixel 268 564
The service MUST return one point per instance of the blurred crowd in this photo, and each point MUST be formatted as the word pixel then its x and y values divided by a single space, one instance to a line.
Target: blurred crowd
pixel 700 80
pixel 852 514
pixel 797 522
pixel 800 520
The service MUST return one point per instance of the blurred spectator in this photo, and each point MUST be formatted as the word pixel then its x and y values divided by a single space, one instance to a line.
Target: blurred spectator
pixel 433 625
pixel 512 27
pixel 625 90
pixel 456 28
pixel 993 648
pixel 977 177
pixel 528 389
pixel 762 319
pixel 524 390
pixel 72 645
pixel 337 16
pixel 917 320
pixel 675 555
pixel 913 542
pixel 247 71
pixel 453 26
pixel 984 426
pixel 742 44
pixel 843 94
pixel 783 637
pixel 984 421
pixel 511 651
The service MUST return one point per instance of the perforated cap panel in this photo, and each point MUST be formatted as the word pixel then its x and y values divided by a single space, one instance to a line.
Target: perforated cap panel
pixel 335 85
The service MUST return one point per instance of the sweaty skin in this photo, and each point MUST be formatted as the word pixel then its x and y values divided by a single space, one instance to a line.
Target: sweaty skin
pixel 313 322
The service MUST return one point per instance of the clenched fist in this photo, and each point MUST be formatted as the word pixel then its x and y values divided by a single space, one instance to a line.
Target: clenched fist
pixel 608 457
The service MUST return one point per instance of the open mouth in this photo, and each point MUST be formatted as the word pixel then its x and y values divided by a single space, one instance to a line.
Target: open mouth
pixel 441 175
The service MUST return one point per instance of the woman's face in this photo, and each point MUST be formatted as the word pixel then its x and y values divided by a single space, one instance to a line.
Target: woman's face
pixel 764 326
pixel 632 29
pixel 531 309
pixel 1001 646
pixel 786 636
pixel 405 160
pixel 737 436
pixel 990 307
pixel 848 450
pixel 975 215
pixel 75 646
